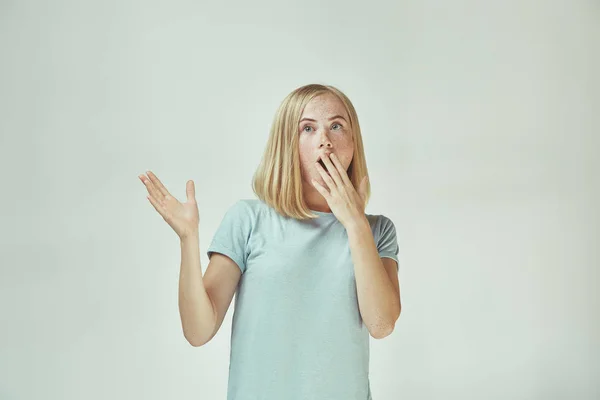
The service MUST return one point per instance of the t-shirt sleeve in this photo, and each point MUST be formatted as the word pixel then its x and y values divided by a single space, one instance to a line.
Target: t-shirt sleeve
pixel 231 237
pixel 387 243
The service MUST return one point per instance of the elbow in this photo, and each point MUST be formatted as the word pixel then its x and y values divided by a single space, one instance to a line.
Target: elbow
pixel 196 343
pixel 195 340
pixel 197 335
pixel 382 332
pixel 385 329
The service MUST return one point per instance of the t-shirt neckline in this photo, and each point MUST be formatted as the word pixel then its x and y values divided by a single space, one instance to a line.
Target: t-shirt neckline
pixel 323 213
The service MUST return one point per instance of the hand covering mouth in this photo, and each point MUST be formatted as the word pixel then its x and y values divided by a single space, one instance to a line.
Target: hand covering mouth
pixel 320 161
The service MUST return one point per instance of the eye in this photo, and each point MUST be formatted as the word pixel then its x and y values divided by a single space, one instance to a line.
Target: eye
pixel 308 126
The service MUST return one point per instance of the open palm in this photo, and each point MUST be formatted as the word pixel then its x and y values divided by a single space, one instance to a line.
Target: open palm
pixel 182 217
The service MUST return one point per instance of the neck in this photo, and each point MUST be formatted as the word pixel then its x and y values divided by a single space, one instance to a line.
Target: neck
pixel 315 201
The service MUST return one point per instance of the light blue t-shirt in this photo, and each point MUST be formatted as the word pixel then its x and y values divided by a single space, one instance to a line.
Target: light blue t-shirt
pixel 297 333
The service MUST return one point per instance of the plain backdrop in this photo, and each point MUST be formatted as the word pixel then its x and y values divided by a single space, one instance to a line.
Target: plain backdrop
pixel 481 126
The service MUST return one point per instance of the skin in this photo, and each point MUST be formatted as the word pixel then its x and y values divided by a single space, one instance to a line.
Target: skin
pixel 321 135
pixel 377 283
pixel 328 191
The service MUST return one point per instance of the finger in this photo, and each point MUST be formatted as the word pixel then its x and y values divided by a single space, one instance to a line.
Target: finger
pixel 158 183
pixel 332 169
pixel 326 176
pixel 190 191
pixel 320 189
pixel 341 170
pixel 157 206
pixel 151 188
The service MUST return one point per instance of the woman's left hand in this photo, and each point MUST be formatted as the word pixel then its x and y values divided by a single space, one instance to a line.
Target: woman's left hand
pixel 345 202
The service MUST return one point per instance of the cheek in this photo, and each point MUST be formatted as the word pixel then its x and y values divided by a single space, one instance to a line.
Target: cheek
pixel 305 157
pixel 345 153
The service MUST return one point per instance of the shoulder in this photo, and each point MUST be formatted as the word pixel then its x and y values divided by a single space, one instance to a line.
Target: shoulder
pixel 384 233
pixel 380 223
pixel 248 210
pixel 252 207
pixel 244 206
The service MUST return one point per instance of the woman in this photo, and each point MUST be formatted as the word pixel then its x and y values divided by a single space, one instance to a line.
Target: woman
pixel 314 275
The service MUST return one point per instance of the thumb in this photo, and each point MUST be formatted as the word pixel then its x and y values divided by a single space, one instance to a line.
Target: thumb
pixel 190 191
pixel 363 188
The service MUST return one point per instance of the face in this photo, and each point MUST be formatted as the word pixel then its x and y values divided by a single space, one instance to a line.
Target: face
pixel 324 127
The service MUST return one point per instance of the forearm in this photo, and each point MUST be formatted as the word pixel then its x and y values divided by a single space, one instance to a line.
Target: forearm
pixel 377 298
pixel 195 307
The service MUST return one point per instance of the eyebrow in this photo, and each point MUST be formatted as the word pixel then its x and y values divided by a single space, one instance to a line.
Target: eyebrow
pixel 330 119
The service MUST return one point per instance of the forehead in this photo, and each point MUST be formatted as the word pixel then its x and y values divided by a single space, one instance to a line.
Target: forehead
pixel 325 105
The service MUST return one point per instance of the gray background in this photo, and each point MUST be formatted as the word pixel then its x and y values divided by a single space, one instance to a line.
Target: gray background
pixel 480 122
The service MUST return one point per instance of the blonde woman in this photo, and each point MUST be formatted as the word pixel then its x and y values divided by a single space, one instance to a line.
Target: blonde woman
pixel 315 276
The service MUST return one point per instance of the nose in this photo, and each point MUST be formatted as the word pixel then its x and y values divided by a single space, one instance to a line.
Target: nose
pixel 325 141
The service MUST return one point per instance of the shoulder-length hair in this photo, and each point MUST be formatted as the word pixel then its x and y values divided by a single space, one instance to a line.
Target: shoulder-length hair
pixel 277 180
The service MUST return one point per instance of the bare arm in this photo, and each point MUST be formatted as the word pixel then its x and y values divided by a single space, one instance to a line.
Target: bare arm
pixel 203 301
pixel 376 282
pixel 195 306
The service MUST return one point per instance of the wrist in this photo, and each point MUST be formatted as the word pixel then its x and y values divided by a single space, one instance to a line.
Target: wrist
pixel 191 237
pixel 358 224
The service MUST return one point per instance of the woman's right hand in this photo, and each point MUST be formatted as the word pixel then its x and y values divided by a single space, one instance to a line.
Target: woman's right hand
pixel 182 217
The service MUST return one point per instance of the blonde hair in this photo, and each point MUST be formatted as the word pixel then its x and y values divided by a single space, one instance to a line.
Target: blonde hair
pixel 277 180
